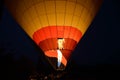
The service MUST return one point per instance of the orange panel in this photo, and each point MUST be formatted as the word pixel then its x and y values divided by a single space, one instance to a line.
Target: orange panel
pixel 47 32
pixel 36 39
pixel 60 31
pixel 66 31
pixel 51 53
pixel 68 44
pixel 66 54
pixel 42 46
pixel 53 31
pixel 39 36
pixel 78 36
pixel 54 43
pixel 72 43
pixel 72 33
pixel 47 43
pixel 50 42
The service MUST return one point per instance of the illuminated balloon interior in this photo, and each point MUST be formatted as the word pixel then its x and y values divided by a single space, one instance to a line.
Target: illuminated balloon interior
pixel 56 26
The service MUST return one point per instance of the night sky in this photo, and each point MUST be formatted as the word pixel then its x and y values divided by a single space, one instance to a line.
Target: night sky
pixel 99 45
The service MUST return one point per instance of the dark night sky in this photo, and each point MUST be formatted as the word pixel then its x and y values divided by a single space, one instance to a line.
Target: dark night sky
pixel 99 45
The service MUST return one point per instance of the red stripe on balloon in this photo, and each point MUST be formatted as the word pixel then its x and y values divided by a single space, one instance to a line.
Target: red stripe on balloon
pixel 57 32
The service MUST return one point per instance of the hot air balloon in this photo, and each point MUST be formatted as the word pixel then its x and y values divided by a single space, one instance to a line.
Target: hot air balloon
pixel 56 26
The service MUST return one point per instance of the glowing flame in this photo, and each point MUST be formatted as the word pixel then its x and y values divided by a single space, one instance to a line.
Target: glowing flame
pixel 60 43
pixel 59 57
pixel 60 46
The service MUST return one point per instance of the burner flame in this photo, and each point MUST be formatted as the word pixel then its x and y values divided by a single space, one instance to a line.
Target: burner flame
pixel 59 57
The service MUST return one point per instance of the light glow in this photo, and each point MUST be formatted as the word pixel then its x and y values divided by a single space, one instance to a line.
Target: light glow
pixel 59 59
pixel 60 43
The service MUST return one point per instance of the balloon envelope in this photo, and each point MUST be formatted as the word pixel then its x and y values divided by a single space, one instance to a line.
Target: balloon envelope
pixel 55 25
